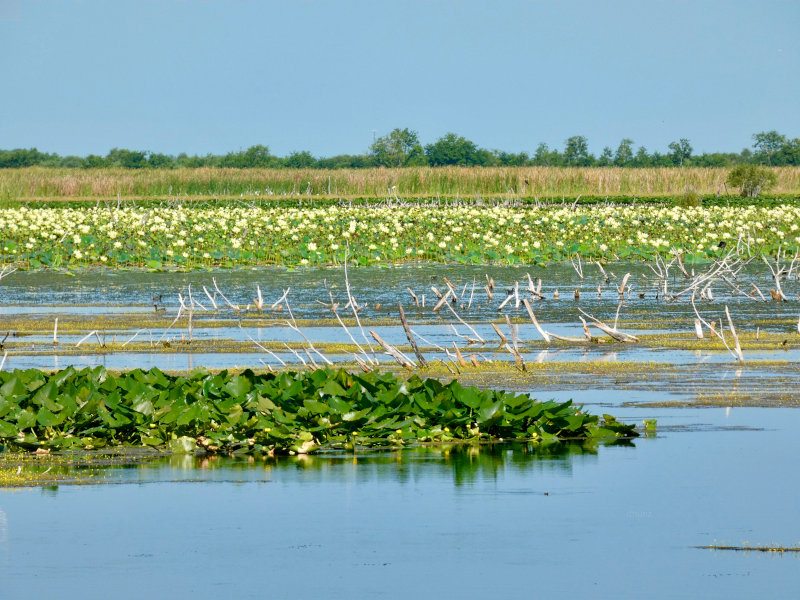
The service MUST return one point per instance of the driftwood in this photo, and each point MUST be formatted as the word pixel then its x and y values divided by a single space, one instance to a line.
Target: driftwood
pixel 504 302
pixel 401 358
pixel 410 337
pixel 518 360
pixel 503 339
pixel 465 324
pixel 459 357
pixel 414 296
pixel 610 331
pixel 737 347
pixel 546 335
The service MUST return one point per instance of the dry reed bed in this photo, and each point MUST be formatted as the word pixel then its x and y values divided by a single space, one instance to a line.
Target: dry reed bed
pixel 40 182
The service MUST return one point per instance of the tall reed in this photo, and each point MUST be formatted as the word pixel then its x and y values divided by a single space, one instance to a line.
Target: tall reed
pixel 40 182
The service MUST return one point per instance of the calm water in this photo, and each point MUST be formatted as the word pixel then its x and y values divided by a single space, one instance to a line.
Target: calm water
pixel 607 522
pixel 614 522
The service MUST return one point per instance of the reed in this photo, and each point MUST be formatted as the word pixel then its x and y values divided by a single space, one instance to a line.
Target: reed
pixel 528 182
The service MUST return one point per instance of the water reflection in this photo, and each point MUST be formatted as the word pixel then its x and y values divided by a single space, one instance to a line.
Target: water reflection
pixel 463 463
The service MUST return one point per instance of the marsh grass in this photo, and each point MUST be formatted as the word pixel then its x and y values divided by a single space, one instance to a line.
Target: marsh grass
pixel 526 182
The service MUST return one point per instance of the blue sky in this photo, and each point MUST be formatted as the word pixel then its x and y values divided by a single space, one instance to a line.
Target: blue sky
pixel 210 76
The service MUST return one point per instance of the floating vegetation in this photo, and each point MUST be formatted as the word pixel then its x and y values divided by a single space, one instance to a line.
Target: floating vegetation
pixel 270 413
pixel 748 548
pixel 198 238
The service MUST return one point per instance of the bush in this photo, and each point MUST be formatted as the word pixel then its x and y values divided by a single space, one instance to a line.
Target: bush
pixel 690 198
pixel 751 180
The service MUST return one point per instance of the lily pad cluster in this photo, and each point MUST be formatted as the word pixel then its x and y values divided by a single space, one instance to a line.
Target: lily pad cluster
pixel 270 413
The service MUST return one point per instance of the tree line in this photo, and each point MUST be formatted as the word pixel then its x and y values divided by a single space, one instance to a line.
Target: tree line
pixel 402 148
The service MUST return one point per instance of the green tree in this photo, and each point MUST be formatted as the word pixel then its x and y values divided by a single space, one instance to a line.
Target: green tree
pixel 766 144
pixel 576 152
pixel 399 148
pixel 642 158
pixel 789 153
pixel 544 157
pixel 452 149
pixel 606 157
pixel 509 159
pixel 624 155
pixel 681 151
pixel 157 160
pixel 129 159
pixel 751 179
pixel 254 157
pixel 300 160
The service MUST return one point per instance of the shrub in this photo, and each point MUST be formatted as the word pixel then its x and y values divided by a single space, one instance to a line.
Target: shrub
pixel 689 198
pixel 751 180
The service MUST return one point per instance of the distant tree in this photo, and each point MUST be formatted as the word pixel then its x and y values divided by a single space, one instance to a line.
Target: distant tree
pixel 399 148
pixel 129 159
pixel 254 157
pixel 642 158
pixel 12 159
pixel 160 161
pixel 509 159
pixel 624 155
pixel 751 179
pixel 681 151
pixel 576 152
pixel 93 161
pixel 452 149
pixel 485 158
pixel 767 143
pixel 606 157
pixel 300 160
pixel 789 153
pixel 72 162
pixel 345 161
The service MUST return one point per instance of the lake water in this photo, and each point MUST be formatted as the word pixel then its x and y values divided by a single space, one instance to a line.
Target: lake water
pixel 614 522
pixel 605 522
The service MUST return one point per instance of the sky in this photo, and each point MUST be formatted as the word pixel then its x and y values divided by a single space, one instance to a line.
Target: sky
pixel 213 76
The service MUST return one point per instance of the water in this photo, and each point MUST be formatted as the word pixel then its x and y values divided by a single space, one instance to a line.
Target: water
pixel 604 522
pixel 620 522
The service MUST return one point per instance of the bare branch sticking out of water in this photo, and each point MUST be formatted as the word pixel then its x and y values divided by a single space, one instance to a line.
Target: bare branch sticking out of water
pixel 275 356
pixel 133 337
pixel 211 298
pixel 216 287
pixel 610 331
pixel 352 302
pixel 503 339
pixel 401 358
pixel 546 335
pixel 737 346
pixel 577 264
pixel 275 304
pixel 465 324
pixel 410 337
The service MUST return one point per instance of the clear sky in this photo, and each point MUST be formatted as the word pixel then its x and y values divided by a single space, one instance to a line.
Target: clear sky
pixel 210 76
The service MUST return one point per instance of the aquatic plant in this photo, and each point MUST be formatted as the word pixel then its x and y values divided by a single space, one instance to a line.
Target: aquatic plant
pixel 269 413
pixel 195 238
